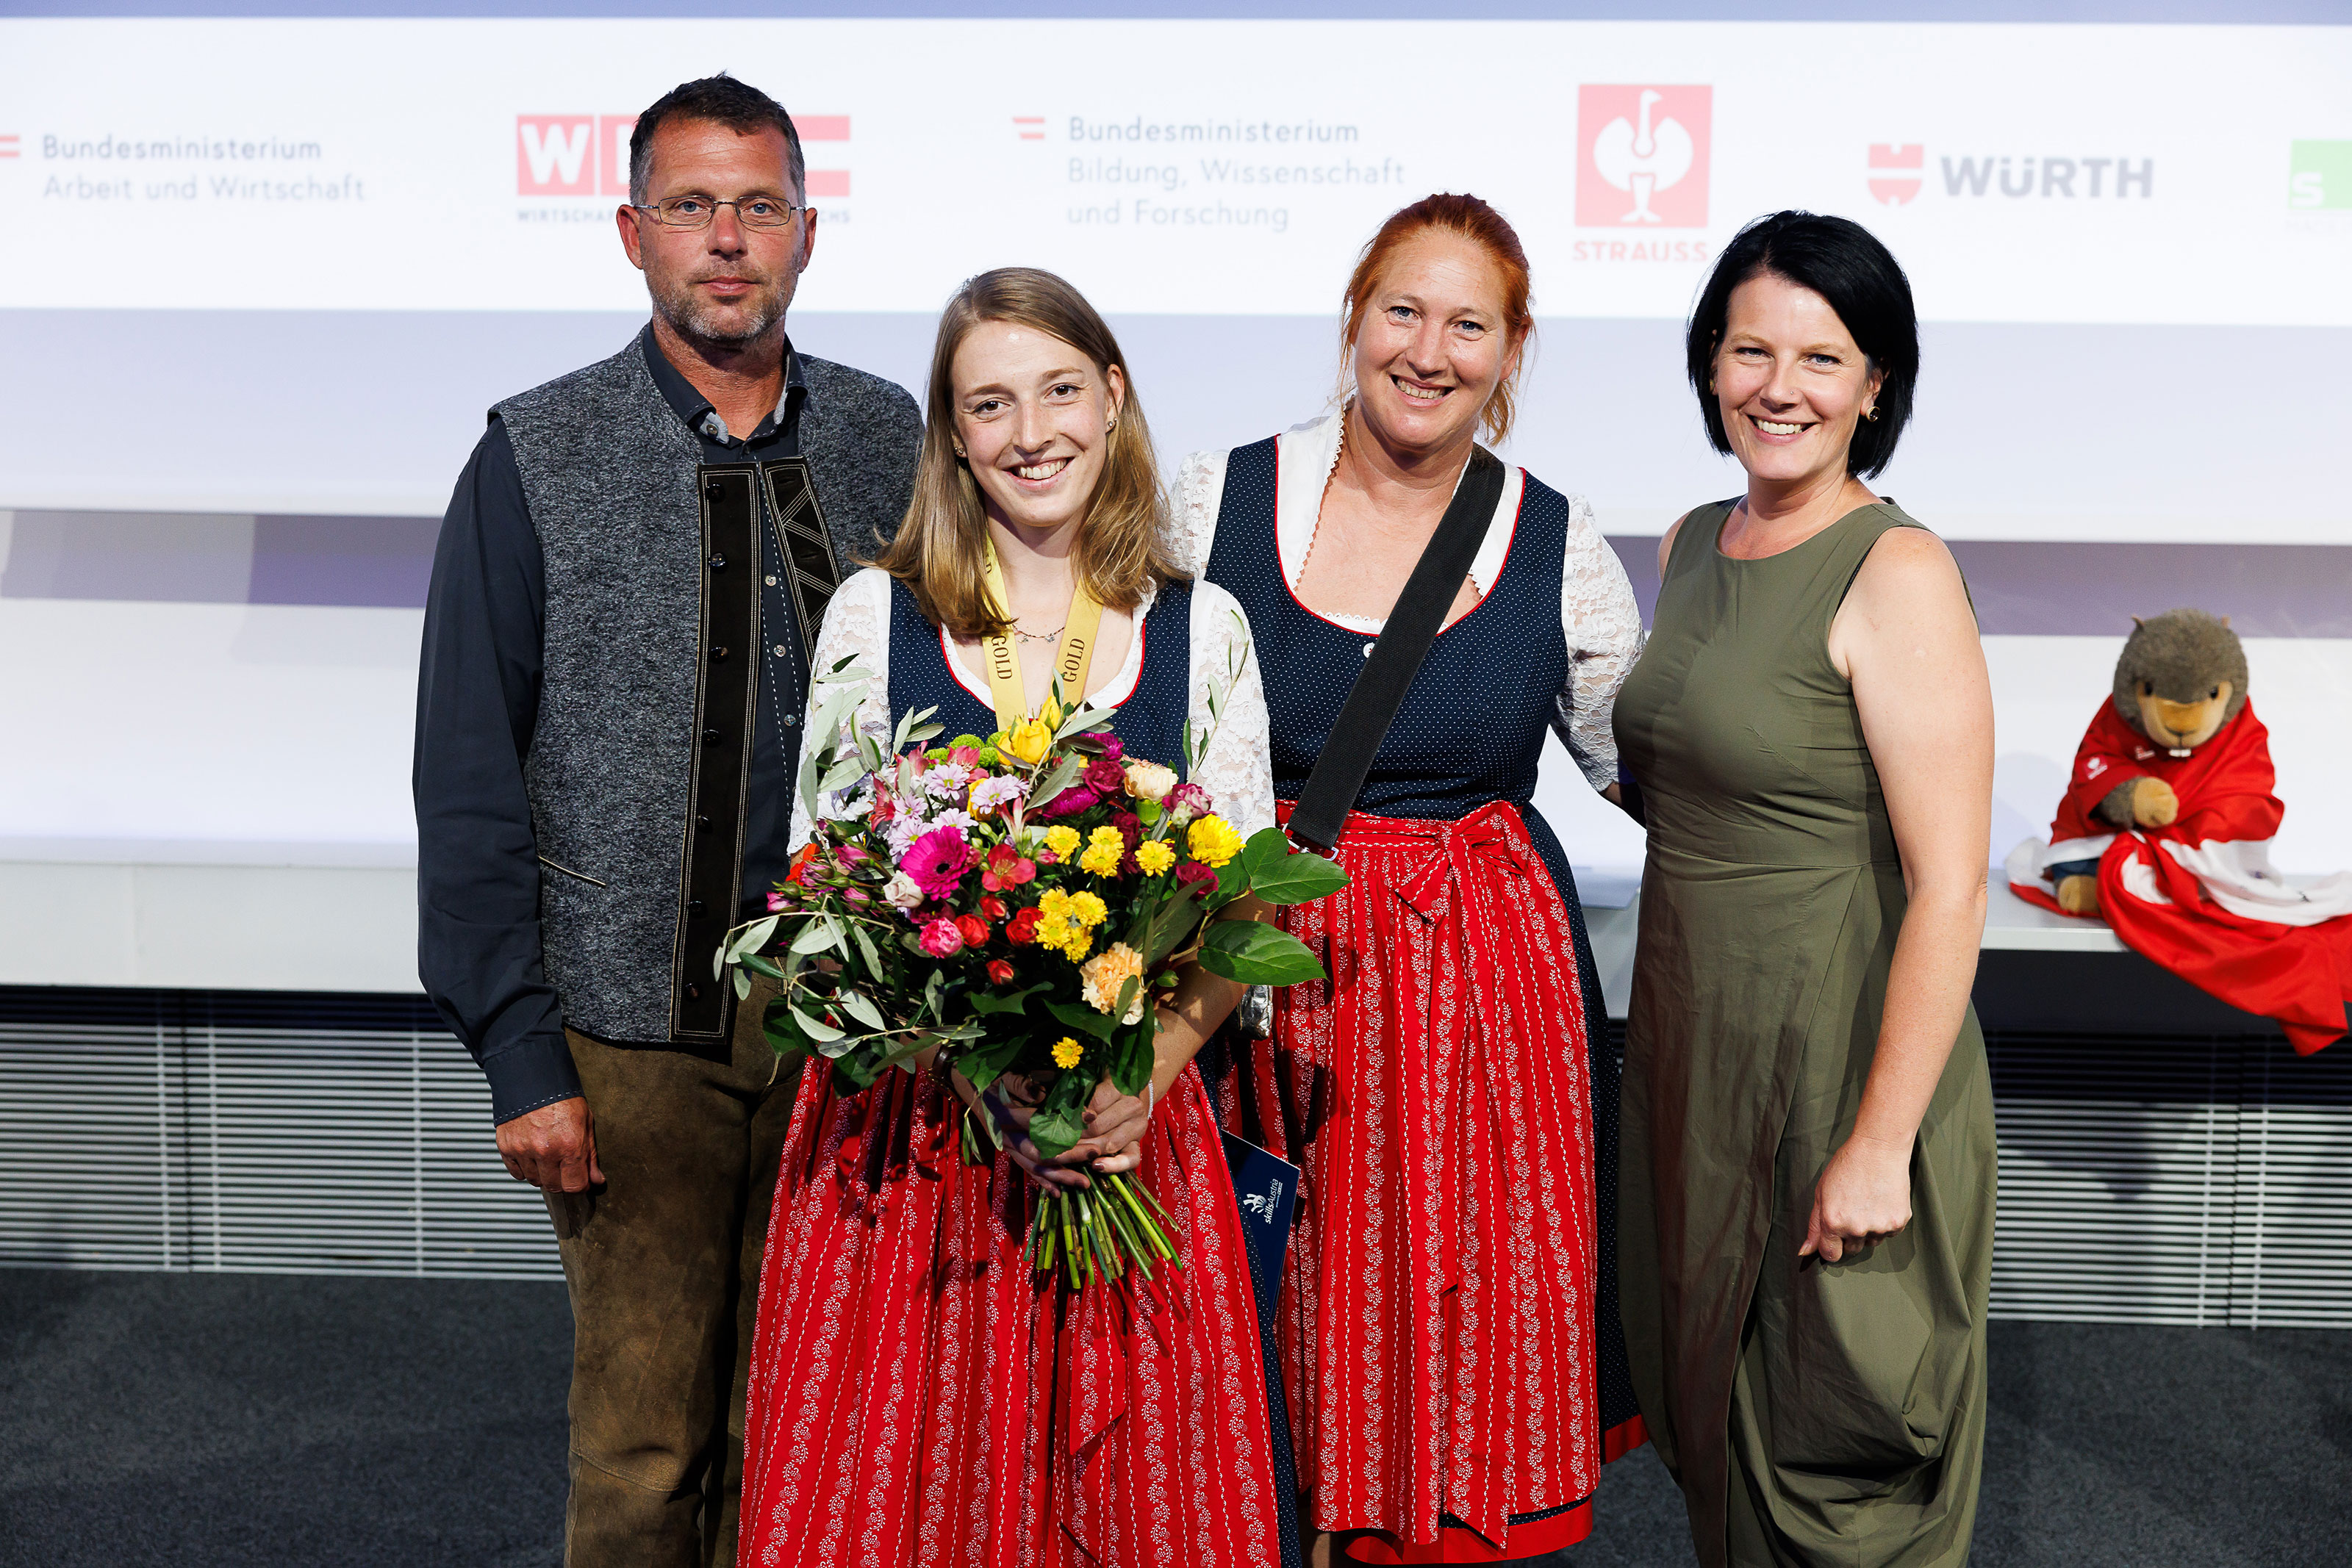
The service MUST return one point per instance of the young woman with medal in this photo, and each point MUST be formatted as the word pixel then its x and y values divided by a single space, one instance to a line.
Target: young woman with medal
pixel 918 1395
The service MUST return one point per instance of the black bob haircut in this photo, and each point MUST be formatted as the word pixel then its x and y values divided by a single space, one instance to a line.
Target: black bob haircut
pixel 1844 263
pixel 739 106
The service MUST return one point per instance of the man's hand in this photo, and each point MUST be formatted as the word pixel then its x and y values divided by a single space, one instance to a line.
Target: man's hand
pixel 553 1147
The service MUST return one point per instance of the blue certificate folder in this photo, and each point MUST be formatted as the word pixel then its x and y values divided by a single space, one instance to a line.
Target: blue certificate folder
pixel 1266 1188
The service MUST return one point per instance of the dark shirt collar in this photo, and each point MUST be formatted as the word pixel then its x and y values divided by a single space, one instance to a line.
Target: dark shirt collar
pixel 692 408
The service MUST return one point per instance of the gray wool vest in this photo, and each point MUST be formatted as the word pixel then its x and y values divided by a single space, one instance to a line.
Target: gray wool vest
pixel 650 649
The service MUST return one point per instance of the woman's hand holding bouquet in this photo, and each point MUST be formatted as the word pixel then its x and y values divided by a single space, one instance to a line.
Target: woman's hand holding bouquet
pixel 1017 904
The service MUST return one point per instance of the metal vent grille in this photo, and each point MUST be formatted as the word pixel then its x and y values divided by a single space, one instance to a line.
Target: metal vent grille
pixel 2215 1194
pixel 350 1134
pixel 295 1133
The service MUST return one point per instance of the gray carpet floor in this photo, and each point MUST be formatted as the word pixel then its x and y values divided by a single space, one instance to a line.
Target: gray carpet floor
pixel 197 1420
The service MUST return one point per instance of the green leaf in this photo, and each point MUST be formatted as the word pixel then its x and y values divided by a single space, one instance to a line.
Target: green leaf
pixel 816 935
pixel 751 937
pixel 865 950
pixel 908 721
pixel 812 770
pixel 845 669
pixel 842 774
pixel 758 965
pixel 743 985
pixel 1167 927
pixel 783 1037
pixel 860 1008
pixel 1132 1061
pixel 1280 877
pixel 816 1029
pixel 1058 1124
pixel 1061 777
pixel 1232 881
pixel 1014 1002
pixel 1084 1018
pixel 1258 955
pixel 986 1062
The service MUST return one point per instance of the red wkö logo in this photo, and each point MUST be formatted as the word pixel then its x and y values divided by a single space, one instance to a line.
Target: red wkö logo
pixel 588 154
pixel 1896 171
pixel 1642 156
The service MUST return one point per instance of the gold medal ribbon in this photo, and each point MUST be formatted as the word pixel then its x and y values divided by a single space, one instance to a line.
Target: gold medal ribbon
pixel 1071 660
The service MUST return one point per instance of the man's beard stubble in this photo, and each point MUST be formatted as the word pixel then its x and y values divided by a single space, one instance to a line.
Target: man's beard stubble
pixel 708 325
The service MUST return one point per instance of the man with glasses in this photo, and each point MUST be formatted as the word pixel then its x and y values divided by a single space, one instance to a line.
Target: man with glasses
pixel 616 642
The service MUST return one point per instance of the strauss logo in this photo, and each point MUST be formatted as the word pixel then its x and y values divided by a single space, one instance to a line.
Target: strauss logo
pixel 1649 143
pixel 1644 159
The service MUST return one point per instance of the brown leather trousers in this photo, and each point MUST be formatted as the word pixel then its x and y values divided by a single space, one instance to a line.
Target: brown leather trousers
pixel 663 1265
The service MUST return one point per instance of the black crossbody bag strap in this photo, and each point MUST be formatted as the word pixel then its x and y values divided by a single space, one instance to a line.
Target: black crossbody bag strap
pixel 1321 813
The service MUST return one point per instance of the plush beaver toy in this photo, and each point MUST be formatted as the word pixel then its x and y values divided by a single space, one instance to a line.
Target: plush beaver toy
pixel 2182 678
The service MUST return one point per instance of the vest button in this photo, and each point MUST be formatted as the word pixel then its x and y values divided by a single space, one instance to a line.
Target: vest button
pixel 713 489
pixel 710 738
pixel 693 992
pixel 694 907
pixel 701 820
pixel 717 653
pixel 718 563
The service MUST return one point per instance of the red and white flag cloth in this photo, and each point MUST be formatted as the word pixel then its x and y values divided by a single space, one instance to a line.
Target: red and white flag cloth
pixel 2200 896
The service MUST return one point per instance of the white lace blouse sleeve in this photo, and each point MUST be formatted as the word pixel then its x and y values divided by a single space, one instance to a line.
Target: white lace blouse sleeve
pixel 1238 769
pixel 856 625
pixel 1193 503
pixel 1603 626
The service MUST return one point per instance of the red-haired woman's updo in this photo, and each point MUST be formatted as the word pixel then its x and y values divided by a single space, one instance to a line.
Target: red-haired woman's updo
pixel 1475 221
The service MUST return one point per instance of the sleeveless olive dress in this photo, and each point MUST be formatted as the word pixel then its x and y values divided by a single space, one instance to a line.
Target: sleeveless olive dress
pixel 1813 1414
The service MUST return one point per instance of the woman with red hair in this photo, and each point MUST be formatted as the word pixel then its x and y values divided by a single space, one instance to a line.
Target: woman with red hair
pixel 1447 1327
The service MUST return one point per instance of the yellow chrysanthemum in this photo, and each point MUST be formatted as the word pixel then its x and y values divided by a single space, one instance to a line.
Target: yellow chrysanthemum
pixel 1066 1052
pixel 1213 841
pixel 1087 910
pixel 1075 942
pixel 1105 849
pixel 1053 903
pixel 1154 857
pixel 1061 839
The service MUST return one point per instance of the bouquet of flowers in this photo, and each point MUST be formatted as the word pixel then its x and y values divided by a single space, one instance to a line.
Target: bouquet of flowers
pixel 1018 901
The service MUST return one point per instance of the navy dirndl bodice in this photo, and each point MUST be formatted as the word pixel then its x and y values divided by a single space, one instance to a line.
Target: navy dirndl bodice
pixel 1151 723
pixel 1471 731
pixel 1471 727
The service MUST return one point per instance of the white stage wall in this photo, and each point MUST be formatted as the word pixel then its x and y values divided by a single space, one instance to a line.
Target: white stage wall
pixel 262 277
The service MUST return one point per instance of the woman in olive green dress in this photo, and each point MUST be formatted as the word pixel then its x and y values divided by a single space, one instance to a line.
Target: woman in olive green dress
pixel 1806 1212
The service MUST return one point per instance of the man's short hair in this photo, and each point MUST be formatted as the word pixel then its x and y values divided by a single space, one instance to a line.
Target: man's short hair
pixel 721 100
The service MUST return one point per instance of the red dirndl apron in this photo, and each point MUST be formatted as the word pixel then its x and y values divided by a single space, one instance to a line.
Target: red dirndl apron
pixel 1436 1323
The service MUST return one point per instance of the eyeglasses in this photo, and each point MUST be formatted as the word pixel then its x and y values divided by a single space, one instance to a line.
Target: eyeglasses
pixel 696 211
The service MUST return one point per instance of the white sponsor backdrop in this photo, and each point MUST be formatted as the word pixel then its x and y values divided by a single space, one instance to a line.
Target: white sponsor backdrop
pixel 2132 246
pixel 2027 173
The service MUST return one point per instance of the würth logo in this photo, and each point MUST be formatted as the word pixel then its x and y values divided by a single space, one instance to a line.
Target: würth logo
pixel 2067 178
pixel 588 154
pixel 1642 156
pixel 1895 176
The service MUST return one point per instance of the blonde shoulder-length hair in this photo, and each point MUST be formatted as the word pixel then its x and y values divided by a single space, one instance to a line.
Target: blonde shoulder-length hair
pixel 941 551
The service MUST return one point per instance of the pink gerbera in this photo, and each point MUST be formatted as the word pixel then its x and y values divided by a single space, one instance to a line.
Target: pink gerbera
pixel 938 860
